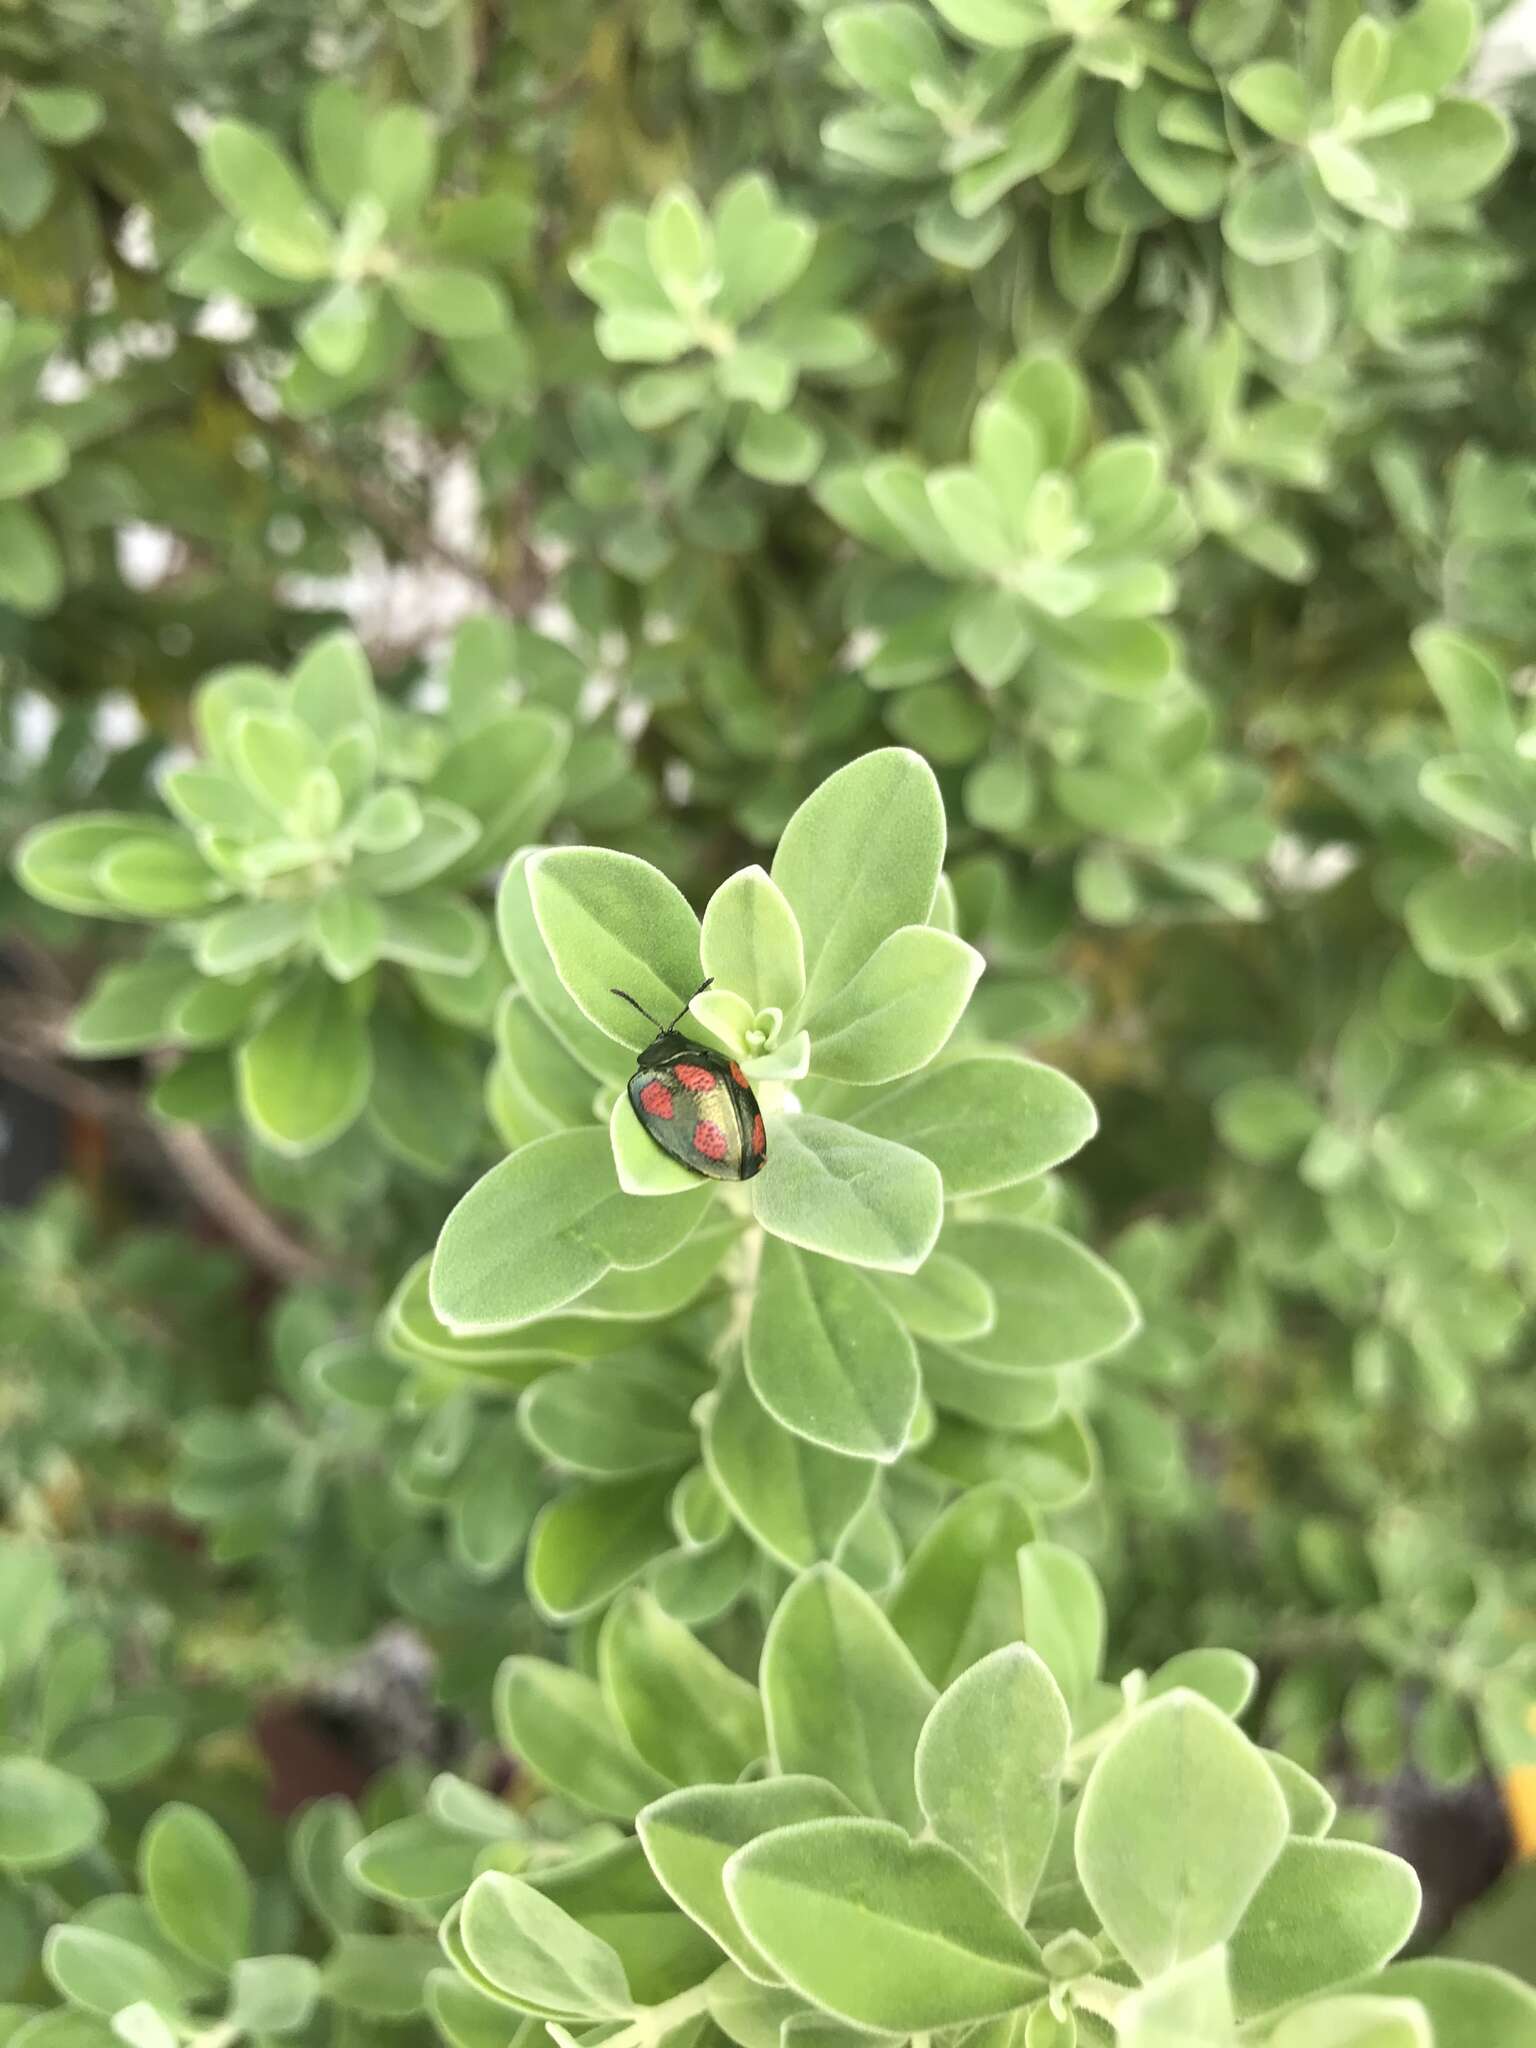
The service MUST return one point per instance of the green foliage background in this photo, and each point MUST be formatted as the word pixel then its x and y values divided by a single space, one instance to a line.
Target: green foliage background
pixel 999 532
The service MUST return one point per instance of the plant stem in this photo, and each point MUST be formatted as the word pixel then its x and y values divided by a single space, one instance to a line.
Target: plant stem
pixel 747 1259
pixel 1098 1996
pixel 236 1211
pixel 654 2022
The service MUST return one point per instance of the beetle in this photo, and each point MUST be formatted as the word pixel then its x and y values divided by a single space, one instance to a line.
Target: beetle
pixel 695 1103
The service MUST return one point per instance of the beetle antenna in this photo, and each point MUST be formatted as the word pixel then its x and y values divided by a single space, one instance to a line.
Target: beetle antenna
pixel 625 997
pixel 682 1013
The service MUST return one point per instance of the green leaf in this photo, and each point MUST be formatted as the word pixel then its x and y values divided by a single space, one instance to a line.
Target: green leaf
pixel 387 821
pixel 273 753
pixel 1468 2006
pixel 959 1596
pixel 31 458
pixel 102 1972
pixel 884 1932
pixel 536 977
pixel 435 933
pixel 1274 96
pixel 157 876
pixel 1224 1677
pixel 680 246
pixel 986 1119
pixel 322 1836
pixel 590 1542
pixel 250 934
pixel 196 1885
pixel 27 179
pixel 537 1955
pixel 447 300
pixel 1267 1118
pixel 56 862
pixel 690 1835
pixel 556 1722
pixel 494 1499
pixel 259 186
pixel 131 1007
pixel 1063 1616
pixel 1288 307
pixel 31 1600
pixel 1000 1817
pixel 46 1816
pixel 887 48
pixel 506 770
pixel 642 337
pixel 118 1747
pixel 1057 1304
pixel 750 943
pixel 400 161
pixel 760 248
pixel 1036 135
pixel 447 833
pixel 612 921
pixel 795 1499
pixel 973 516
pixel 561 1086
pixel 1312 1807
pixel 1469 922
pixel 61 114
pixel 991 636
pixel 1358 2021
pixel 208 800
pixel 1429 47
pixel 831 1188
pixel 1178 1825
pixel 1188 2006
pixel 414 1860
pixel 843 1698
pixel 614 1895
pixel 557 1205
pixel 828 1358
pixel 305 1073
pixel 688 1715
pixel 273 1994
pixel 1461 148
pixel 348 930
pixel 943 1299
pixel 140 2026
pixel 1326 1912
pixel 336 134
pixel 1272 215
pixel 640 1164
pixel 335 331
pixel 332 687
pixel 31 567
pixel 859 859
pixel 465 2014
pixel 382 1976
pixel 898 1011
pixel 612 1419
pixel 777 447
pixel 212 1013
pixel 991 24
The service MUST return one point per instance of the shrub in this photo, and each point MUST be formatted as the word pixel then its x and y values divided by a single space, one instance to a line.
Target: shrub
pixel 972 554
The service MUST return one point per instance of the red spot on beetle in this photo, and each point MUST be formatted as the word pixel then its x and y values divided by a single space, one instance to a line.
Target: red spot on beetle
pixel 759 1142
pixel 710 1140
pixel 656 1099
pixel 697 1080
pixel 739 1077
